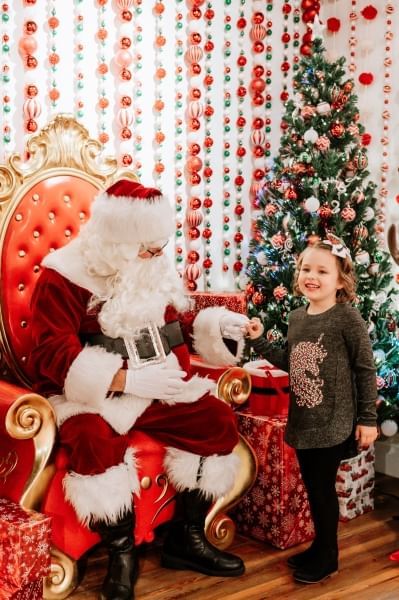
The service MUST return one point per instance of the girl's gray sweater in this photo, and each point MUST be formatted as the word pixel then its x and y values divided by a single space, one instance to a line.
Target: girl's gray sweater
pixel 332 375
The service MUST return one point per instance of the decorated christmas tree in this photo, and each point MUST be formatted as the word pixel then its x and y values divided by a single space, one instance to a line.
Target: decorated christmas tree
pixel 319 184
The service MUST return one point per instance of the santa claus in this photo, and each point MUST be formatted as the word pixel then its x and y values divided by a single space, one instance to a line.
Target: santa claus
pixel 110 339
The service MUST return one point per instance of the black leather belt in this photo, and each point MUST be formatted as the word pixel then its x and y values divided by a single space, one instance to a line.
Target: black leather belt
pixel 170 334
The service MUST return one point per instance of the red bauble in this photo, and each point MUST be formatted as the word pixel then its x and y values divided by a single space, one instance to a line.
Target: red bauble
pixel 193 233
pixel 238 237
pixel 241 121
pixel 333 24
pixel 241 91
pixel 309 16
pixel 195 69
pixel 238 266
pixel 209 110
pixel 239 180
pixel 195 124
pixel 194 164
pixel 241 61
pixel 195 13
pixel 208 142
pixel 194 149
pixel 193 256
pixel 258 151
pixel 208 172
pixel 191 286
pixel 284 96
pixel 285 38
pixel 207 264
pixel 207 233
pixel 195 179
pixel 209 46
pixel 258 174
pixel 258 100
pixel 366 139
pixel 239 210
pixel 366 78
pixel 369 12
pixel 258 18
pixel 306 49
pixel 195 94
pixel 307 37
pixel 258 123
pixel 240 152
pixel 257 298
pixel 208 202
pixel 31 126
pixel 195 203
pixel 258 70
pixel 287 8
pixel 307 4
pixel 258 85
pixel 258 47
pixel 241 23
pixel 337 129
pixel 208 80
pixel 285 66
pixel 209 14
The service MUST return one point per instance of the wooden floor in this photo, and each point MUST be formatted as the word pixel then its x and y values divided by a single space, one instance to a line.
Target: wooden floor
pixel 366 573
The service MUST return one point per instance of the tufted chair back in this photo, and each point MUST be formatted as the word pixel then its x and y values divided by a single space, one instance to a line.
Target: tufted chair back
pixel 44 201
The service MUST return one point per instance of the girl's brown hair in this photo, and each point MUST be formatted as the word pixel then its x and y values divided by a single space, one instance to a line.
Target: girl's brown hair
pixel 346 273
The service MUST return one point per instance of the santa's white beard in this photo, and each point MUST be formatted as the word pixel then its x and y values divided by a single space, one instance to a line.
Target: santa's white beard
pixel 139 294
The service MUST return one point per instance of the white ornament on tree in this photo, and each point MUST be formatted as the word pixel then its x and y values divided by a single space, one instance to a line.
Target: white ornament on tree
pixel 311 135
pixel 312 204
pixel 389 427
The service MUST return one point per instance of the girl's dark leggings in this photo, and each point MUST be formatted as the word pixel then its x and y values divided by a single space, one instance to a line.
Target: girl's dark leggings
pixel 319 468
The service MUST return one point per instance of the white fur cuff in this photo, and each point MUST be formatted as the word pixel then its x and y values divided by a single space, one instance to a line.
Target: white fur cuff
pixel 90 375
pixel 218 474
pixel 208 340
pixel 104 497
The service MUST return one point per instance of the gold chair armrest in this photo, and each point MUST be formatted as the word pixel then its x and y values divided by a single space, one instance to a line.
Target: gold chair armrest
pixel 234 386
pixel 31 416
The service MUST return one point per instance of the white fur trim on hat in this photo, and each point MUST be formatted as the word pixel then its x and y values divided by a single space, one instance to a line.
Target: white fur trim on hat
pixel 90 375
pixel 208 340
pixel 218 473
pixel 123 219
pixel 106 496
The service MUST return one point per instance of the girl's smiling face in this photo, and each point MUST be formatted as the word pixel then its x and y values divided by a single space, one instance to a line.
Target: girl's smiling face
pixel 318 278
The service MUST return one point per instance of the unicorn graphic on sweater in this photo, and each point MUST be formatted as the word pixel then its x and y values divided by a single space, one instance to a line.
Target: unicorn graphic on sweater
pixel 305 380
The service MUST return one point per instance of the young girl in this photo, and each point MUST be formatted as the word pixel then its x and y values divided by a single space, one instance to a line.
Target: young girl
pixel 332 389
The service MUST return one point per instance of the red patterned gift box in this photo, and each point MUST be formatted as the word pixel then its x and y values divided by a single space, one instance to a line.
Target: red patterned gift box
pixel 32 591
pixel 355 485
pixel 25 547
pixel 276 509
pixel 235 301
pixel 270 389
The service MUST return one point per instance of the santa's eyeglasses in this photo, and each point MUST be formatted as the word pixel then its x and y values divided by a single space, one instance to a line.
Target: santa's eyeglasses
pixel 154 251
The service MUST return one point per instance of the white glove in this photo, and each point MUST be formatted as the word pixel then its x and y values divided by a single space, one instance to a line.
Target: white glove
pixel 232 325
pixel 154 381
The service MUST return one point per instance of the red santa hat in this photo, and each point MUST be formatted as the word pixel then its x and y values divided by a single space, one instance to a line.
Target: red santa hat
pixel 128 212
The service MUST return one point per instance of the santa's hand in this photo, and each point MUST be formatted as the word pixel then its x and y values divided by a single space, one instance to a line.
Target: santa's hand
pixel 233 325
pixel 154 381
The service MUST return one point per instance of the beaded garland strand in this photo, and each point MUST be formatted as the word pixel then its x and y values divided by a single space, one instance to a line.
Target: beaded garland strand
pixel 194 164
pixel 102 70
pixel 27 47
pixel 208 141
pixel 160 75
pixel 79 56
pixel 136 98
pixel 53 57
pixel 5 78
pixel 178 139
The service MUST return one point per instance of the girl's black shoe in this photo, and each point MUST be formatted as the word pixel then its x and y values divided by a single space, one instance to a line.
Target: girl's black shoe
pixel 316 573
pixel 301 559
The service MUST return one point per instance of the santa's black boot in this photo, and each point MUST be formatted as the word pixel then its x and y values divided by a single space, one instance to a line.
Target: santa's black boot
pixel 118 538
pixel 186 546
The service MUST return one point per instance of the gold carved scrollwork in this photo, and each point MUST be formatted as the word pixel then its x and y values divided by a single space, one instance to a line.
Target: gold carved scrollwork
pixel 32 417
pixel 234 386
pixel 8 464
pixel 63 576
pixel 7 183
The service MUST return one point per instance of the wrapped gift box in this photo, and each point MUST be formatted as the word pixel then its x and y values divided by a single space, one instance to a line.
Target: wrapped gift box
pixel 32 591
pixel 270 389
pixel 25 547
pixel 235 301
pixel 355 485
pixel 276 509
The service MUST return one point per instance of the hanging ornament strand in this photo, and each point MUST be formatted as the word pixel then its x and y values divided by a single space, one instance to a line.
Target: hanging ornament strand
pixel 79 56
pixel 5 80
pixel 240 150
pixel 102 71
pixel 160 75
pixel 209 47
pixel 136 96
pixel 193 166
pixel 27 48
pixel 123 59
pixel 353 41
pixel 53 57
pixel 178 139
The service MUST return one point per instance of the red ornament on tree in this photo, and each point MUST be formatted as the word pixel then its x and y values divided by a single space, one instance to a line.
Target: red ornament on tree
pixel 366 78
pixel 333 24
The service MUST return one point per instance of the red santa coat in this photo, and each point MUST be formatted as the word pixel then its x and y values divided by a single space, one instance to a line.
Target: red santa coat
pixel 77 378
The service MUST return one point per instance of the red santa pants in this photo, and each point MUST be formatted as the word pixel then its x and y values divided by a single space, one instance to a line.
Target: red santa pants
pixel 205 427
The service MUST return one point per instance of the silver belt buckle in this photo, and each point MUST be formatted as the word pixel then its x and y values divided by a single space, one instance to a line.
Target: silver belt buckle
pixel 158 356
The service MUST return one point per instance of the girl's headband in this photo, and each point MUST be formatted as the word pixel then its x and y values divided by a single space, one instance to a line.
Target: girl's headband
pixel 338 247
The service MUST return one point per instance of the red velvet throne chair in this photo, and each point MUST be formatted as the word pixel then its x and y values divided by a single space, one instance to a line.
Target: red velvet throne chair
pixel 44 198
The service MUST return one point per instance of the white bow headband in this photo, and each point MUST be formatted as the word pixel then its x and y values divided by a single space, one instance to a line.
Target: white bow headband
pixel 338 247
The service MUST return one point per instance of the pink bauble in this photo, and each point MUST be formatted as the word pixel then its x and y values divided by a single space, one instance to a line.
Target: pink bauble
pixel 258 137
pixel 31 109
pixel 123 58
pixel 194 164
pixel 193 271
pixel 193 54
pixel 194 218
pixel 195 109
pixel 125 117
pixel 257 33
pixel 27 45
